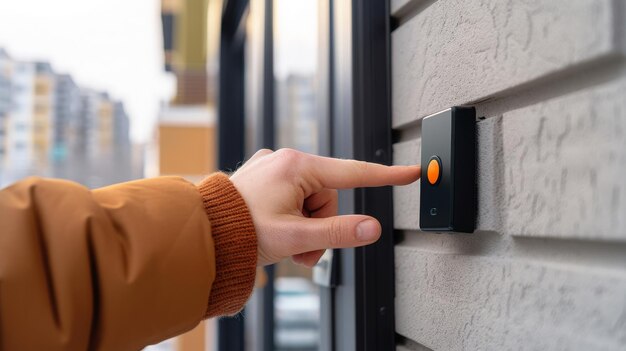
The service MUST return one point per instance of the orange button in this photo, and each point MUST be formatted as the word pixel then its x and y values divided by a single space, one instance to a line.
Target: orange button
pixel 434 171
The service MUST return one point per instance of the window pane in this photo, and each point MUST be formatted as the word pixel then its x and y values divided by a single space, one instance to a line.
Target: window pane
pixel 295 68
pixel 297 303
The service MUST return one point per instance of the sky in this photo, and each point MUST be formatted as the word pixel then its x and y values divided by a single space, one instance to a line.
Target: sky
pixel 295 39
pixel 110 45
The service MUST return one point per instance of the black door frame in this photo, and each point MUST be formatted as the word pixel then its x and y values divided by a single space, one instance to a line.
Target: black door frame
pixel 267 124
pixel 231 152
pixel 232 143
pixel 361 307
pixel 364 300
pixel 375 267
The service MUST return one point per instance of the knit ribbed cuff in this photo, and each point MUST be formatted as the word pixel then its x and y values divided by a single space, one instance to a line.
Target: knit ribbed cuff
pixel 235 245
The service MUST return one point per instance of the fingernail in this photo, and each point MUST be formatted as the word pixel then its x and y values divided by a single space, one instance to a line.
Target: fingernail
pixel 367 230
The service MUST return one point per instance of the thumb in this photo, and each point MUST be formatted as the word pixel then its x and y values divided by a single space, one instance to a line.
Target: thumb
pixel 337 232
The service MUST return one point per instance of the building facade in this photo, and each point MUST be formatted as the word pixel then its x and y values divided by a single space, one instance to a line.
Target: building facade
pixel 20 127
pixel 44 113
pixel 50 126
pixel 6 68
pixel 184 25
pixel 296 117
pixel 101 143
pixel 187 122
pixel 67 117
pixel 121 126
pixel 545 268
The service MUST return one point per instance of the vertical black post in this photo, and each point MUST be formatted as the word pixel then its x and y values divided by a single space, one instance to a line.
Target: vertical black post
pixel 364 300
pixel 325 100
pixel 268 141
pixel 374 264
pixel 268 310
pixel 343 295
pixel 231 88
pixel 231 130
pixel 268 76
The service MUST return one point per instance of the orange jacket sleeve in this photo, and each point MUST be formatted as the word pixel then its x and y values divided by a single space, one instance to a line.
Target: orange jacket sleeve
pixel 120 267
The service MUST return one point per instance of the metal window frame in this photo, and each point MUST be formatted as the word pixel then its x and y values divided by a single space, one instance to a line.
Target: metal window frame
pixel 373 142
pixel 325 108
pixel 230 333
pixel 364 300
pixel 268 142
pixel 232 143
pixel 360 310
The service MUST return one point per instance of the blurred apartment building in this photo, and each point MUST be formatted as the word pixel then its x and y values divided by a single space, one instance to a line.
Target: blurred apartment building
pixel 296 113
pixel 43 112
pixel 49 126
pixel 186 131
pixel 19 142
pixel 67 112
pixel 5 98
pixel 5 102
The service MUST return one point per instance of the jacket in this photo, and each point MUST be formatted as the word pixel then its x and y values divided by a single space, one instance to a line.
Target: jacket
pixel 120 267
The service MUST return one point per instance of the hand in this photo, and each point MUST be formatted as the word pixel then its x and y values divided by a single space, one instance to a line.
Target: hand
pixel 292 197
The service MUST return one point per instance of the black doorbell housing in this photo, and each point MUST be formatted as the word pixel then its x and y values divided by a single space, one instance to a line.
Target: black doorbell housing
pixel 448 183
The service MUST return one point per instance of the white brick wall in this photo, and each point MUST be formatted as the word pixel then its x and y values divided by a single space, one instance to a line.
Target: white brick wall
pixel 546 269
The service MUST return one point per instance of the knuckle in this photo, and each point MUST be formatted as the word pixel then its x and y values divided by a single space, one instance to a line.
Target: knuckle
pixel 288 154
pixel 334 232
pixel 263 152
pixel 362 168
pixel 289 162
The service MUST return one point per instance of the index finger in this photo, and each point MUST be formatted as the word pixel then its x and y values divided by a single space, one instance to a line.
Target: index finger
pixel 344 174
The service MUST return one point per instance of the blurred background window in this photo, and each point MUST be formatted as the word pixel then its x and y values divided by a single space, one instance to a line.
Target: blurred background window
pixel 295 69
pixel 100 96
pixel 80 95
pixel 296 301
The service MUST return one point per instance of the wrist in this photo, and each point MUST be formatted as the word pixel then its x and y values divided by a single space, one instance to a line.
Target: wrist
pixel 235 245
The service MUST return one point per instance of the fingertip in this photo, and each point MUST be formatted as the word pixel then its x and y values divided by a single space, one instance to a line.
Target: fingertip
pixel 409 174
pixel 368 230
pixel 418 170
